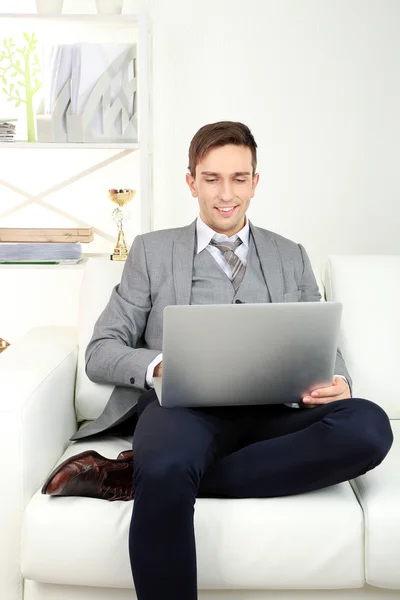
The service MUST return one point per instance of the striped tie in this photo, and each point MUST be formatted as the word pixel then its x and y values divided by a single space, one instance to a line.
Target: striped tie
pixel 228 251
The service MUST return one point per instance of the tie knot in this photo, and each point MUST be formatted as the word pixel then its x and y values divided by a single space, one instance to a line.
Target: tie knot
pixel 234 262
pixel 227 246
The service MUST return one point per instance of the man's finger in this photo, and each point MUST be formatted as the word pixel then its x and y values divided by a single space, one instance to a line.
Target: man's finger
pixel 331 390
pixel 314 401
pixel 323 392
pixel 337 388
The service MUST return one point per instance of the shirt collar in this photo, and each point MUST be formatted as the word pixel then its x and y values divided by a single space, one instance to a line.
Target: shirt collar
pixel 205 234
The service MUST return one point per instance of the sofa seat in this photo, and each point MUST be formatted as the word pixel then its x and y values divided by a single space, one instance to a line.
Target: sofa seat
pixel 313 540
pixel 379 494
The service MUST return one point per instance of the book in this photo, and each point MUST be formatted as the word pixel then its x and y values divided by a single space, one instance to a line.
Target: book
pixel 7 130
pixel 83 235
pixel 41 262
pixel 38 252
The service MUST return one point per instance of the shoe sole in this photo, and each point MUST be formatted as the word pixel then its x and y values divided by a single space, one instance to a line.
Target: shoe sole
pixel 128 458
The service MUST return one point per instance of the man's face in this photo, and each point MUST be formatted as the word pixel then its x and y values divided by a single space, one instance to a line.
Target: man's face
pixel 224 187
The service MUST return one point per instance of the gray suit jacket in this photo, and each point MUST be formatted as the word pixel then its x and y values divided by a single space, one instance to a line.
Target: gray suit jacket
pixel 158 272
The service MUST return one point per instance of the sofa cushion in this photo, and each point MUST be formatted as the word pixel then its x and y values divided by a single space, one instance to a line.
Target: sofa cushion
pixel 310 540
pixel 369 287
pixel 379 494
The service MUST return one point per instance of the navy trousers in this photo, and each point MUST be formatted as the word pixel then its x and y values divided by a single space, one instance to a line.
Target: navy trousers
pixel 234 452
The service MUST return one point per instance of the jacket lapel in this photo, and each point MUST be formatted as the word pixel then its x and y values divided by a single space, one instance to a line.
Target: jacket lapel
pixel 270 261
pixel 182 263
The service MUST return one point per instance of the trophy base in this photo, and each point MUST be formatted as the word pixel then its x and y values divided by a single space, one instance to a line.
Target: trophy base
pixel 121 248
pixel 118 256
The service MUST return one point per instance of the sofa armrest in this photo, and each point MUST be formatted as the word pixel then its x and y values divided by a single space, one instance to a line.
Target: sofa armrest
pixel 37 417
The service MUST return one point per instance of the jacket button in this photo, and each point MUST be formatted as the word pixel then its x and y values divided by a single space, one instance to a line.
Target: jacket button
pixel 132 380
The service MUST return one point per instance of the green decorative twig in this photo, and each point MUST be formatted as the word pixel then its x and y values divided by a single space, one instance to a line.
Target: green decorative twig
pixel 14 65
pixel 28 67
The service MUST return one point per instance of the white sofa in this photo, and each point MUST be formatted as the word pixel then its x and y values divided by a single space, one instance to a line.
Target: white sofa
pixel 340 542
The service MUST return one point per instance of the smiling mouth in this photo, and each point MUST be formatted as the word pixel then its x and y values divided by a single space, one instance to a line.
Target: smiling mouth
pixel 226 212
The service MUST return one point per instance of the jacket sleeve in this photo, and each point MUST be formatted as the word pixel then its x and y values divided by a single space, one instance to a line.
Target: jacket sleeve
pixel 116 354
pixel 310 293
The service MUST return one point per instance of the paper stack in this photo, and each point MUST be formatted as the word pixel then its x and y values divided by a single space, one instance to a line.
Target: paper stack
pixel 7 130
pixel 58 253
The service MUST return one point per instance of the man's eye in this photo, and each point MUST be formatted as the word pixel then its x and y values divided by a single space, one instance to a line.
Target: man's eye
pixel 237 180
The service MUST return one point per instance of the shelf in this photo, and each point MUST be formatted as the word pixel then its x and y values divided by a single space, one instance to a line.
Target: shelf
pixel 121 19
pixel 68 146
pixel 91 28
pixel 80 265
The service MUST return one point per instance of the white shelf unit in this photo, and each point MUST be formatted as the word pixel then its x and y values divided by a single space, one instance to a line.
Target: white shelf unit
pixel 68 145
pixel 140 24
pixel 119 19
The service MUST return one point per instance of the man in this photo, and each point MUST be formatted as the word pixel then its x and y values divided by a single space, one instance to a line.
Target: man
pixel 238 452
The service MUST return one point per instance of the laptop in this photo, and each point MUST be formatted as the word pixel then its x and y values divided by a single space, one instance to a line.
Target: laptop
pixel 239 354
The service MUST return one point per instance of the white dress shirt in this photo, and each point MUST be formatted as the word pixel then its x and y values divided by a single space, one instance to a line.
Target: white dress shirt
pixel 204 236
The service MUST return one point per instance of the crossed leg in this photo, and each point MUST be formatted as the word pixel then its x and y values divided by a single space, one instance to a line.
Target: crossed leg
pixel 234 452
pixel 293 451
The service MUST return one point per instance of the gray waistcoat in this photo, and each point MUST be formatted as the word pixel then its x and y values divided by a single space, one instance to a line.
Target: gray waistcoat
pixel 210 285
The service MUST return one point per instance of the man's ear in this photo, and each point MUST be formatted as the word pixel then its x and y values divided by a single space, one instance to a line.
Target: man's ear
pixel 254 183
pixel 192 185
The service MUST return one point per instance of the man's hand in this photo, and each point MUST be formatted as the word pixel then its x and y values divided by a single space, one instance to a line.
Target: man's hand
pixel 339 390
pixel 158 370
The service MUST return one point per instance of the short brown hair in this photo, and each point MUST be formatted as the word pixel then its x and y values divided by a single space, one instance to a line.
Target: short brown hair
pixel 220 134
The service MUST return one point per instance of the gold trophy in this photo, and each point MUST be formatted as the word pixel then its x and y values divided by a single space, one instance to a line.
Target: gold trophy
pixel 120 197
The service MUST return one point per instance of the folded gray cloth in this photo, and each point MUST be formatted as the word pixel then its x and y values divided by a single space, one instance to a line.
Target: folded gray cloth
pixel 122 402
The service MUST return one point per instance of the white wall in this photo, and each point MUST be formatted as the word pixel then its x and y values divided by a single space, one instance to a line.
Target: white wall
pixel 318 82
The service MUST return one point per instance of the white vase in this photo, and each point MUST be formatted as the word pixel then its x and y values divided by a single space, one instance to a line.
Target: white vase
pixel 49 7
pixel 109 7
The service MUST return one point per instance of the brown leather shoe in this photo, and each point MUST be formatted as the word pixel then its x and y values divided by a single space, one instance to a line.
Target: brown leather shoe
pixel 91 475
pixel 126 455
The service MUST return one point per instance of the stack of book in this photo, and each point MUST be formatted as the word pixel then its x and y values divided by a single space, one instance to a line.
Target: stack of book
pixel 43 246
pixel 7 130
